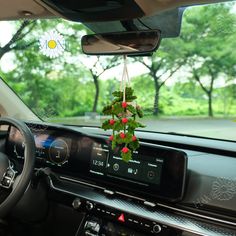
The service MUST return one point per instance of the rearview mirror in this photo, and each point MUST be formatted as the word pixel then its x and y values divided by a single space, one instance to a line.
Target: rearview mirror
pixel 129 43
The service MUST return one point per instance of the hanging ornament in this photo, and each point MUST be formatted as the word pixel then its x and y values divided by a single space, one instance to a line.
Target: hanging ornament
pixel 123 123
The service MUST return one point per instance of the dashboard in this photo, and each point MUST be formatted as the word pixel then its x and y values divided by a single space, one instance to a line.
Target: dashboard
pixel 154 170
pixel 162 187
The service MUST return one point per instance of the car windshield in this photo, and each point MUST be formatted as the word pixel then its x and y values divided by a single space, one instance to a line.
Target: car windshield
pixel 187 87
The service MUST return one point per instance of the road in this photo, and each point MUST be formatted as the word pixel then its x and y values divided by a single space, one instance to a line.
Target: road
pixel 206 127
pixel 215 128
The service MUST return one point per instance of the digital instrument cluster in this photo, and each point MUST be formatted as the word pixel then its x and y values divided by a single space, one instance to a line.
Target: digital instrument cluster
pixel 49 146
pixel 154 170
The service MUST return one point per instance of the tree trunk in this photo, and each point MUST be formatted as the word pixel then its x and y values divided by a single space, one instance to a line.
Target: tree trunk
pixel 2 52
pixel 207 91
pixel 18 36
pixel 156 98
pixel 96 83
pixel 210 109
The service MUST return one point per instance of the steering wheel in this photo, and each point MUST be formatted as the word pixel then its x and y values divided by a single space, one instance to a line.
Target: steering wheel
pixel 12 185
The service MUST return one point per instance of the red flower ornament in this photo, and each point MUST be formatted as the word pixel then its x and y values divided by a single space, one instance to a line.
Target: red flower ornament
pixel 124 104
pixel 125 150
pixel 124 120
pixel 122 135
pixel 112 121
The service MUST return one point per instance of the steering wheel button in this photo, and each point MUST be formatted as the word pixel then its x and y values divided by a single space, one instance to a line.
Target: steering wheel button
pixel 10 174
pixel 6 182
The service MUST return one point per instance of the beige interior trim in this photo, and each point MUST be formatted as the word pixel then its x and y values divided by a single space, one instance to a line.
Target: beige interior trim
pixel 12 106
pixel 2 111
pixel 12 9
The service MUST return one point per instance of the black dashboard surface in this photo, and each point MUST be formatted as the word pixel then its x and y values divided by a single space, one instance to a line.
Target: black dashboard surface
pixel 204 180
pixel 154 170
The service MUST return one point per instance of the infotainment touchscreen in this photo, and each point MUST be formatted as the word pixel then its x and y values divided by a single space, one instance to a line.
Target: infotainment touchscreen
pixel 153 169
pixel 141 169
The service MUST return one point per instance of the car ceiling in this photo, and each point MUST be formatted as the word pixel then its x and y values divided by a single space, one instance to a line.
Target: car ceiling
pixel 16 9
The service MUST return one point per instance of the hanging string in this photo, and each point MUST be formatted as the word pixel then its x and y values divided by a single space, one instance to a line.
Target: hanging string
pixel 122 78
pixel 125 79
pixel 127 74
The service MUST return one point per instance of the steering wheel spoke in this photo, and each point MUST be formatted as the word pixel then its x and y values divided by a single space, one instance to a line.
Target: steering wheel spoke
pixel 8 178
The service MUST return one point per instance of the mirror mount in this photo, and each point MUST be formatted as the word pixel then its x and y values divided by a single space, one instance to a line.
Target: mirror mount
pixel 129 25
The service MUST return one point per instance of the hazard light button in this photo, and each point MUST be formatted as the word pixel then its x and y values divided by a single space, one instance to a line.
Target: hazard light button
pixel 121 218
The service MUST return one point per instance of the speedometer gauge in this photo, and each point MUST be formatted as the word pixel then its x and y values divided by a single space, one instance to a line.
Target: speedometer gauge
pixel 58 151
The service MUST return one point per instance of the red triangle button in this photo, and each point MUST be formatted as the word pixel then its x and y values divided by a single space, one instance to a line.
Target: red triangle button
pixel 121 218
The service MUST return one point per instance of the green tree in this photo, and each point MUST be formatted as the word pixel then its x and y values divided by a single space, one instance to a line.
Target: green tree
pixel 161 66
pixel 17 42
pixel 208 44
pixel 100 67
pixel 40 80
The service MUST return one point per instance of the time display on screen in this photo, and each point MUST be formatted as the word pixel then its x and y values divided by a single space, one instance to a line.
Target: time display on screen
pixel 142 169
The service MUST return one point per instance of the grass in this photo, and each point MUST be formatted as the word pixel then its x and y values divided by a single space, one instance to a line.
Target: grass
pixel 81 120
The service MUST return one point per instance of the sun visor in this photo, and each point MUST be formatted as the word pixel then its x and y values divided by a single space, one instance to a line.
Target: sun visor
pixel 94 10
pixel 104 16
pixel 168 22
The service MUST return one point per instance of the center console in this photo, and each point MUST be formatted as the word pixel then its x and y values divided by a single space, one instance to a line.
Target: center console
pixel 107 221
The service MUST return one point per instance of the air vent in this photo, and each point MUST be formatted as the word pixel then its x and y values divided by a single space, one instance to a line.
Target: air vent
pixel 94 10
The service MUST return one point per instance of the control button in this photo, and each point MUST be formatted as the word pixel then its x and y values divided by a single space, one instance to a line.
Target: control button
pixel 121 218
pixel 6 182
pixel 109 192
pixel 132 171
pixel 116 167
pixel 150 204
pixel 89 206
pixel 92 226
pixel 135 221
pixel 10 174
pixel 156 229
pixel 151 175
pixel 76 203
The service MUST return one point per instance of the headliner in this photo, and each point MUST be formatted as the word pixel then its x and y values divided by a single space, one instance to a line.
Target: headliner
pixel 14 9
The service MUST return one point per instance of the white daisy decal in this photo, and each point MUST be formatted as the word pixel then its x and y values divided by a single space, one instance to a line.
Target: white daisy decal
pixel 223 189
pixel 52 44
